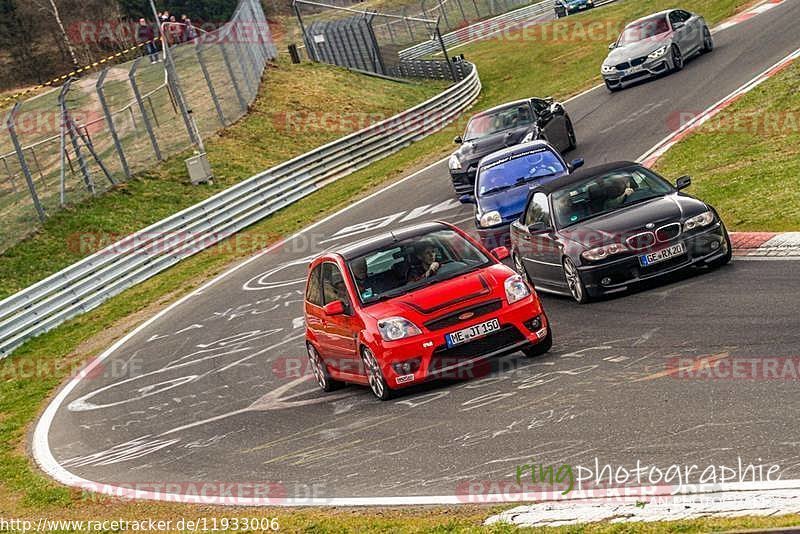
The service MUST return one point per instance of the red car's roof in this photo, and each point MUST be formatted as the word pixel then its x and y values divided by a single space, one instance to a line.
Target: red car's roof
pixel 365 246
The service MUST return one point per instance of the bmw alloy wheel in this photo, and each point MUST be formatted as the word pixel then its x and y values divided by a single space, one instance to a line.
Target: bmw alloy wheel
pixel 574 281
pixel 708 41
pixel 677 58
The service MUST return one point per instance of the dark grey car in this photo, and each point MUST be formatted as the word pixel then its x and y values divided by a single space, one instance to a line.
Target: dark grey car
pixel 504 126
pixel 655 45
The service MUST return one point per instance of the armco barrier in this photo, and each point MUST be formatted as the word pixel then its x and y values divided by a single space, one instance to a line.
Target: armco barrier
pixel 483 29
pixel 88 283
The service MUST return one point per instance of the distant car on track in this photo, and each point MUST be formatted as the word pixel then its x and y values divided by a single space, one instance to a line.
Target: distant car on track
pixel 504 126
pixel 416 304
pixel 655 45
pixel 570 7
pixel 504 181
pixel 603 229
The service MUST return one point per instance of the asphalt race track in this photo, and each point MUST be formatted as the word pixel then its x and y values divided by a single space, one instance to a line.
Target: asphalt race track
pixel 217 389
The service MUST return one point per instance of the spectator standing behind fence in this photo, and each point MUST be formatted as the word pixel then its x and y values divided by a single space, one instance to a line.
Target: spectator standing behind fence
pixel 175 30
pixel 189 31
pixel 145 36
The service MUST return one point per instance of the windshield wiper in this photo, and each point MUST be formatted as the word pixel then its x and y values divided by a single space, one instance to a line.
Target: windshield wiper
pixel 499 188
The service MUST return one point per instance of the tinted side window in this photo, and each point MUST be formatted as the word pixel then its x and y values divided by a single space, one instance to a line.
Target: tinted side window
pixel 684 15
pixel 538 210
pixel 313 288
pixel 333 287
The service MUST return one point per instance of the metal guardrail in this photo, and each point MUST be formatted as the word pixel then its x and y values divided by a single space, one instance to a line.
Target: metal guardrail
pixel 88 283
pixel 485 28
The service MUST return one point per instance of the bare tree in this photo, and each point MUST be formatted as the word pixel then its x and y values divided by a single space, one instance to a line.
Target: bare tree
pixel 51 7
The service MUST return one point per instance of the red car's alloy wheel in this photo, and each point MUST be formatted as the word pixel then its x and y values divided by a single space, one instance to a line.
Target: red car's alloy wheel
pixel 374 375
pixel 326 383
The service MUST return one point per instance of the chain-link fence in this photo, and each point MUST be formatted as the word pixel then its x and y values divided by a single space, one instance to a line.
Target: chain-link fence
pixel 78 140
pixel 372 35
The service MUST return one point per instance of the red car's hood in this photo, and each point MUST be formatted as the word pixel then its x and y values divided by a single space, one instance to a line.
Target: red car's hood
pixel 450 294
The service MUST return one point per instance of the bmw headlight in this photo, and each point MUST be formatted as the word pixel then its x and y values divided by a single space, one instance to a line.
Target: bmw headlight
pixel 454 163
pixel 655 54
pixel 601 253
pixel 491 218
pixel 516 289
pixel 699 221
pixel 395 328
pixel 608 69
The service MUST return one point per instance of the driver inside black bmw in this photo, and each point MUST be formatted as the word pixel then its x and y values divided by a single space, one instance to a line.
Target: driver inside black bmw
pixel 600 230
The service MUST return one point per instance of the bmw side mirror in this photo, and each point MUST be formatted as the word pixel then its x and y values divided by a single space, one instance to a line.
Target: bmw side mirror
pixel 683 182
pixel 538 228
pixel 334 308
pixel 612 46
pixel 501 253
pixel 467 199
pixel 576 164
pixel 677 25
pixel 458 140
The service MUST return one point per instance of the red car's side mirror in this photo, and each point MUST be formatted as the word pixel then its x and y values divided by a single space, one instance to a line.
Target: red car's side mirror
pixel 334 308
pixel 501 253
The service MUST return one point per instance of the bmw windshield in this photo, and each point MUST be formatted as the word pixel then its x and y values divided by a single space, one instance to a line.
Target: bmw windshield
pixel 517 169
pixel 644 29
pixel 606 193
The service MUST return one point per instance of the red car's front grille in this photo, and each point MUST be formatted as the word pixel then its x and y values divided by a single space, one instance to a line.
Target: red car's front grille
pixel 454 318
pixel 445 357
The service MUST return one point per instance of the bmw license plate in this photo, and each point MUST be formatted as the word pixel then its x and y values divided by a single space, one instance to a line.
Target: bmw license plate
pixel 662 255
pixel 468 334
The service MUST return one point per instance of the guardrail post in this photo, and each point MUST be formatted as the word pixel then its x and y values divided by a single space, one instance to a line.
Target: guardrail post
pixel 142 109
pixel 198 47
pixel 101 95
pixel 12 132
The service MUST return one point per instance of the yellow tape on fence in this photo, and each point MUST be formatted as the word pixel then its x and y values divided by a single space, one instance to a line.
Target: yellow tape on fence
pixel 63 78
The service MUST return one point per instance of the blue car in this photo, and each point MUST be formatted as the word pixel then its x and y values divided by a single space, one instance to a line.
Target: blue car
pixel 503 182
pixel 568 7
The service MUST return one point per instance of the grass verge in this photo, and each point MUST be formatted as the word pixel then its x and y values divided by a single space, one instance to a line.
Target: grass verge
pixel 36 369
pixel 746 160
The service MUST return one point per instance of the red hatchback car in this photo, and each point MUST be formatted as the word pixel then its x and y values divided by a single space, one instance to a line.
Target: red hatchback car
pixel 416 304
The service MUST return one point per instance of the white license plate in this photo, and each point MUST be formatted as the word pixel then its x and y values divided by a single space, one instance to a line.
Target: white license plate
pixel 468 334
pixel 662 255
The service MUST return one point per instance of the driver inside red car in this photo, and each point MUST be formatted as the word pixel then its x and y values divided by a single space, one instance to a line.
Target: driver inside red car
pixel 426 264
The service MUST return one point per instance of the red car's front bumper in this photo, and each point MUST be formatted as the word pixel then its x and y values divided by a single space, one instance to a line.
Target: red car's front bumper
pixel 522 324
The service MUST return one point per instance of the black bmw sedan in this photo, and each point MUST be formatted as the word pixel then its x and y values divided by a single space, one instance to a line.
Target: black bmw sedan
pixel 504 126
pixel 602 229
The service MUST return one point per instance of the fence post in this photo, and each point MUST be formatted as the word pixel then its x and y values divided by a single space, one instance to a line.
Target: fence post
pixel 69 126
pixel 101 95
pixel 174 83
pixel 463 13
pixel 11 125
pixel 232 74
pixel 245 71
pixel 198 47
pixel 145 119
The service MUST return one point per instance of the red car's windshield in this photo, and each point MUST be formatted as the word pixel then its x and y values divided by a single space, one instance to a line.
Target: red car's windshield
pixel 644 29
pixel 407 265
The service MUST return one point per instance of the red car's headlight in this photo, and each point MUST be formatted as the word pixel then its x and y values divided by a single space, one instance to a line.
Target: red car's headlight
pixel 395 328
pixel 516 289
